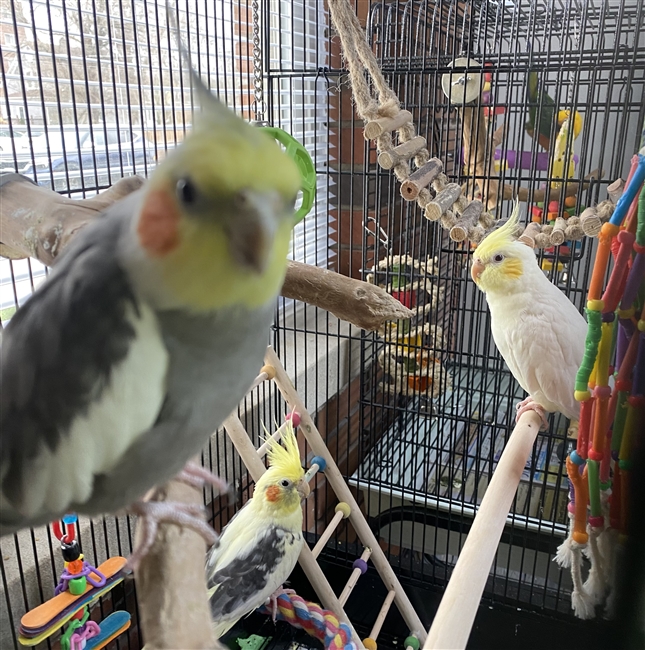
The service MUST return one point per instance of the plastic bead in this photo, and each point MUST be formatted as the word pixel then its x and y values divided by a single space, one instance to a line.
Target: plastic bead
pixel 360 564
pixel 623 385
pixel 318 460
pixel 77 586
pixel 595 305
pixel 596 522
pixel 71 550
pixel 369 644
pixel 576 458
pixel 412 642
pixel 269 371
pixel 344 508
pixel 595 455
pixel 603 392
pixel 582 395
pixel 625 465
pixel 295 419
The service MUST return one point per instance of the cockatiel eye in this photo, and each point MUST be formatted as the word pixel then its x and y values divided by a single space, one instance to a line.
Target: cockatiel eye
pixel 498 258
pixel 186 191
pixel 285 483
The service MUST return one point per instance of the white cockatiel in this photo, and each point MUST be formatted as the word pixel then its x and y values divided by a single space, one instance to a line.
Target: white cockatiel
pixel 538 331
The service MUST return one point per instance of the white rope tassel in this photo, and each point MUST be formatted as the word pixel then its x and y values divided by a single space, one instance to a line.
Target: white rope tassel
pixel 564 555
pixel 582 604
pixel 596 584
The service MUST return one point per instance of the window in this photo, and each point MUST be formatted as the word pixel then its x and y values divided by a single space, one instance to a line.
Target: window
pixel 298 42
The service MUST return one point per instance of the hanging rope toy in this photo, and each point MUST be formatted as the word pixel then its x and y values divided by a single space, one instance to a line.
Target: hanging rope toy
pixel 310 617
pixel 440 199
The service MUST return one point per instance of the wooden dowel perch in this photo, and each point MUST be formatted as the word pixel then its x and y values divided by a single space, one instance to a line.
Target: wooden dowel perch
pixel 382 125
pixel 443 201
pixel 405 151
pixel 38 222
pixel 456 614
pixel 421 178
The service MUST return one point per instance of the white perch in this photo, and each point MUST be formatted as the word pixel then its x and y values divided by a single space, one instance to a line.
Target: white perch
pixel 380 619
pixel 311 472
pixel 342 512
pixel 454 618
pixel 353 578
pixel 337 482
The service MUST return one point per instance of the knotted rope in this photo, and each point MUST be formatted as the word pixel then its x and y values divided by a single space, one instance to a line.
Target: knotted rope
pixel 317 622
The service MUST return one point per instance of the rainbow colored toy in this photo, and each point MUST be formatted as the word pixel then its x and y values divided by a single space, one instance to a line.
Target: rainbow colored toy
pixel 610 386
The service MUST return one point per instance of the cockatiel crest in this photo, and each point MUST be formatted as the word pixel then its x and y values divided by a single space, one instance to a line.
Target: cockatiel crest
pixel 500 258
pixel 279 485
pixel 260 546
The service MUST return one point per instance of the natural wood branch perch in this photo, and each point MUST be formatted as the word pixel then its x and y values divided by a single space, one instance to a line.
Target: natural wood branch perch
pixel 360 303
pixel 38 222
pixel 178 617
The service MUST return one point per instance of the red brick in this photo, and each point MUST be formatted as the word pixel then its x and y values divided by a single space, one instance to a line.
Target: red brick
pixel 348 140
pixel 349 261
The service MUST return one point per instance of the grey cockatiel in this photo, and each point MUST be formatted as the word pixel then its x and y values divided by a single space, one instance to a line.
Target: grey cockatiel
pixel 149 330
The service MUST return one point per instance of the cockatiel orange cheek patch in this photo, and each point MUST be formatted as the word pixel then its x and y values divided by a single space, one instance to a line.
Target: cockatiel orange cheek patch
pixel 158 224
pixel 272 493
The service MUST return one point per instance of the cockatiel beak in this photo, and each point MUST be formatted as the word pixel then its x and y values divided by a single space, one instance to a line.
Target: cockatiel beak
pixel 303 489
pixel 477 269
pixel 253 228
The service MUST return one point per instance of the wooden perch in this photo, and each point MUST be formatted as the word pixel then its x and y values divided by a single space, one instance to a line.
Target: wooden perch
pixel 476 148
pixel 360 303
pixel 38 222
pixel 178 617
pixel 454 618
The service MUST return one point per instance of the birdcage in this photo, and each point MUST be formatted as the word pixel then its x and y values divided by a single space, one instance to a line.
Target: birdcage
pixel 416 415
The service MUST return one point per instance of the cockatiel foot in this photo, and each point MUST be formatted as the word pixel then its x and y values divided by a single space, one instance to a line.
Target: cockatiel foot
pixel 530 405
pixel 197 476
pixel 152 513
pixel 273 600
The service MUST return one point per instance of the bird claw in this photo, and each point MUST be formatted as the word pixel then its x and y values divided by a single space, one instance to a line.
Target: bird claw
pixel 529 404
pixel 197 476
pixel 273 600
pixel 152 513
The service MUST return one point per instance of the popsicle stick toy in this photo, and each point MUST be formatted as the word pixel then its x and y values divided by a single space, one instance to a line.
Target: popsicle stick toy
pixel 81 585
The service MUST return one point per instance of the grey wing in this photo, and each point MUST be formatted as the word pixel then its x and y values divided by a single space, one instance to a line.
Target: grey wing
pixel 241 580
pixel 58 353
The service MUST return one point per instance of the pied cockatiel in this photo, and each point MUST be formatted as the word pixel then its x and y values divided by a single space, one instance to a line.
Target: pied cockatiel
pixel 149 329
pixel 260 546
pixel 537 330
